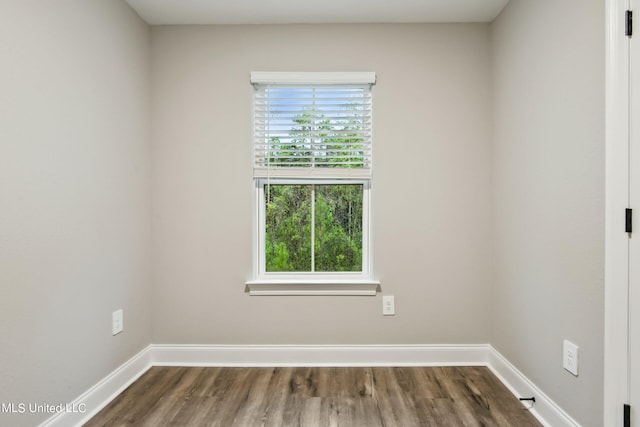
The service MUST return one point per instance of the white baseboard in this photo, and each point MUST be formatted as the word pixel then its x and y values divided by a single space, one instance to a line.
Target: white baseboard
pixel 321 355
pixel 96 398
pixel 545 409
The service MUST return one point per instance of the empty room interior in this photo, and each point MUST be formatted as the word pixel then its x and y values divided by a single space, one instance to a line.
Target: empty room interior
pixel 139 194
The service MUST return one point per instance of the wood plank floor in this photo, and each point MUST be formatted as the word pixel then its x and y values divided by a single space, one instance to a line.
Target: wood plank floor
pixel 348 397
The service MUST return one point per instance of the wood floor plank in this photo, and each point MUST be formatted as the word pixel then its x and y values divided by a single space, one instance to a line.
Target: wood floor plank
pixel 397 407
pixel 277 392
pixel 334 397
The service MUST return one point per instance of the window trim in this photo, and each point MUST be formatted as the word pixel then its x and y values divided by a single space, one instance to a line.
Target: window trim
pixel 312 283
pixel 313 287
pixel 360 281
pixel 312 78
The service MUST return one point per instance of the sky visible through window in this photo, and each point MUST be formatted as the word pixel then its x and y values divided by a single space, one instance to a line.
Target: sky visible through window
pixel 313 126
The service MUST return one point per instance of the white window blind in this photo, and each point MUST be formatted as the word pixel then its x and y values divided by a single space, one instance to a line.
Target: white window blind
pixel 312 130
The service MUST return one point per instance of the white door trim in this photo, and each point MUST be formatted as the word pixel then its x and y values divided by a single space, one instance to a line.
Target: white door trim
pixel 616 200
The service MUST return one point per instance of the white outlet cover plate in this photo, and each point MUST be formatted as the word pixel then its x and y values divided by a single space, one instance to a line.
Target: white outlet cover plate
pixel 117 324
pixel 570 357
pixel 388 305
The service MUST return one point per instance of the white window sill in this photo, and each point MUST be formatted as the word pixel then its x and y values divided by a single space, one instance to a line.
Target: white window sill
pixel 312 287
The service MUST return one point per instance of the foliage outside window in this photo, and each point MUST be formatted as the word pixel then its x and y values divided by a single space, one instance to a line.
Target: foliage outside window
pixel 313 227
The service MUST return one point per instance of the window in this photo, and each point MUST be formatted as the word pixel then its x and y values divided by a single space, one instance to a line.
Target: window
pixel 313 227
pixel 312 173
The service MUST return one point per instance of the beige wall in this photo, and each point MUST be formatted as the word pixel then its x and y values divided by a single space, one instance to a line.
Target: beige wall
pixel 548 157
pixel 74 196
pixel 491 230
pixel 431 196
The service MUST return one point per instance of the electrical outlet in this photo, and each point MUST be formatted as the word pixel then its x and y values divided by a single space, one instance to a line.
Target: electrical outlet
pixel 117 322
pixel 388 305
pixel 570 357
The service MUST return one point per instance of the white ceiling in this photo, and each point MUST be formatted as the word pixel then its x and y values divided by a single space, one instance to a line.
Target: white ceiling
pixel 164 12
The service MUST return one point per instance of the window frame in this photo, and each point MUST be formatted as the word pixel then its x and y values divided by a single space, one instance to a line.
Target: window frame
pixel 311 276
pixel 311 283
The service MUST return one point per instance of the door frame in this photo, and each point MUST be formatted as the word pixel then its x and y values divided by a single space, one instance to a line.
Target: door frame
pixel 616 301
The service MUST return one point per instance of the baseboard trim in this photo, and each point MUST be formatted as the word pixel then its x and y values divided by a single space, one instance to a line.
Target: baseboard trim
pixel 320 355
pixel 96 398
pixel 545 409
pixel 99 396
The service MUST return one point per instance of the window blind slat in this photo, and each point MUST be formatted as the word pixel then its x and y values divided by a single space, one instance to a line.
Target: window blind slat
pixel 324 130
